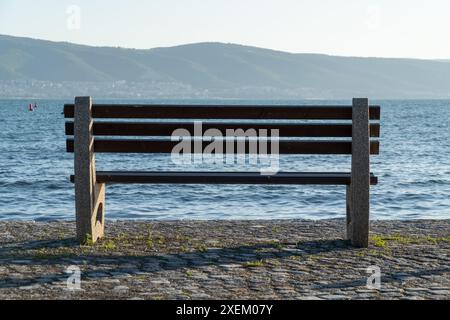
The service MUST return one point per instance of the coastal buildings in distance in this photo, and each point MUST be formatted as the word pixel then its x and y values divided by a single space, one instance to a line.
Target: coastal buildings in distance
pixel 39 89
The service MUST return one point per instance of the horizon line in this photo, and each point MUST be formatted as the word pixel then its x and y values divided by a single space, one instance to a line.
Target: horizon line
pixel 222 43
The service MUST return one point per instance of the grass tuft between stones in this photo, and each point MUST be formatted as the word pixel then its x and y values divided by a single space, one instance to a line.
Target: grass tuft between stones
pixel 254 264
pixel 383 241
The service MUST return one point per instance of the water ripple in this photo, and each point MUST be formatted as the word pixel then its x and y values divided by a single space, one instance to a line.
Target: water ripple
pixel 413 169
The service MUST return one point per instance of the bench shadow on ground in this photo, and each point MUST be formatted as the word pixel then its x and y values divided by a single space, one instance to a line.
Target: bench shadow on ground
pixel 97 266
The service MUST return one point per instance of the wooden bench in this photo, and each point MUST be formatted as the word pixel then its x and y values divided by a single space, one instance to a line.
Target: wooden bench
pixel 306 137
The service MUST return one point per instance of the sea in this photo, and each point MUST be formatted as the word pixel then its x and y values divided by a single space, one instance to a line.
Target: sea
pixel 413 168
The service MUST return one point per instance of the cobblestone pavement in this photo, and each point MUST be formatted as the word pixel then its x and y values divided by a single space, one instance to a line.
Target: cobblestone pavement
pixel 277 259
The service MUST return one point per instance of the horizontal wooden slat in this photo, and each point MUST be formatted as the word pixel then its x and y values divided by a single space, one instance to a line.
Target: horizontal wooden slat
pixel 166 146
pixel 166 129
pixel 331 178
pixel 158 111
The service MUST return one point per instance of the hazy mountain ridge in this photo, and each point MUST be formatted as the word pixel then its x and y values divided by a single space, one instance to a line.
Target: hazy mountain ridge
pixel 209 70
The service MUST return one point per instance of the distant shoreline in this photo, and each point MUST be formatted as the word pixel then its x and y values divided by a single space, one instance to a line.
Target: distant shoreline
pixel 210 70
pixel 70 99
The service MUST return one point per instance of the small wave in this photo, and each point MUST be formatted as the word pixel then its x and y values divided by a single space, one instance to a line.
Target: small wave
pixel 17 183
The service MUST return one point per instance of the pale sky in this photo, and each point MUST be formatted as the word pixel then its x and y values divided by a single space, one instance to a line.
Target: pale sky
pixel 383 28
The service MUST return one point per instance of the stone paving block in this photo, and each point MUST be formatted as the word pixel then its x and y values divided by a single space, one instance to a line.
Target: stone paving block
pixel 302 260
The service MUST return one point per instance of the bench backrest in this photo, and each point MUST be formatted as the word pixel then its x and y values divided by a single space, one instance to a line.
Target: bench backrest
pixel 362 128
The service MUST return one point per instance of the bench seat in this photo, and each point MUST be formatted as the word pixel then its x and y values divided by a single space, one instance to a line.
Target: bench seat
pixel 183 177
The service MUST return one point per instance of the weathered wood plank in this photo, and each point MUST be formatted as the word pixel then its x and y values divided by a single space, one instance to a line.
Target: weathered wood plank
pixel 167 146
pixel 183 177
pixel 167 128
pixel 158 111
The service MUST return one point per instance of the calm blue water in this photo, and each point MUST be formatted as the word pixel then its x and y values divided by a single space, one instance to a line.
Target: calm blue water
pixel 413 170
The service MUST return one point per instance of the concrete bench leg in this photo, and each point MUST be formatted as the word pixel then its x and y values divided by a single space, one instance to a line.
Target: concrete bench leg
pixel 91 216
pixel 89 195
pixel 349 212
pixel 359 192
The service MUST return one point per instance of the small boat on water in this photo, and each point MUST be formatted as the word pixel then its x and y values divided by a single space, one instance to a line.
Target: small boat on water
pixel 32 107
